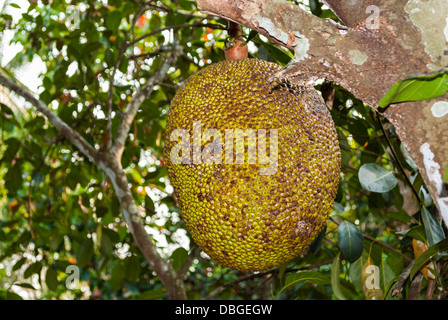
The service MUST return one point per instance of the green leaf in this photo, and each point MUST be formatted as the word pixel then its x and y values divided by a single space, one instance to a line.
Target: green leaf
pixel 149 206
pixel 302 276
pixel 35 267
pixel 433 229
pixel 445 175
pixel 417 232
pixel 132 268
pixel 18 264
pixel 9 115
pixel 106 246
pixel 13 178
pixel 427 255
pixel 335 279
pixel 178 257
pixel 386 275
pixel 116 275
pixel 14 5
pixel 85 253
pixel 113 20
pixel 376 179
pixel 350 241
pixel 51 279
pixel 25 285
pixel 417 87
pixel 151 294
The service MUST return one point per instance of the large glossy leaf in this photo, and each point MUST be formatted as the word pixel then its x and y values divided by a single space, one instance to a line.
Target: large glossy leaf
pixel 376 179
pixel 433 229
pixel 417 87
pixel 350 241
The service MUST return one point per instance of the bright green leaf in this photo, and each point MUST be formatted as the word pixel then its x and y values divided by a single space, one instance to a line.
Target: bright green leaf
pixel 417 87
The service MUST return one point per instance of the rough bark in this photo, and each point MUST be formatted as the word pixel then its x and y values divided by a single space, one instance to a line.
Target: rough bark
pixel 411 38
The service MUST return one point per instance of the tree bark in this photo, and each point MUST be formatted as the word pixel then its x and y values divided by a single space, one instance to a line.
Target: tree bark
pixel 379 43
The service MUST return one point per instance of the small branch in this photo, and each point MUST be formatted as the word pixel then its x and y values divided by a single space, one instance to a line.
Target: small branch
pixel 184 269
pixel 180 26
pixel 396 158
pixel 402 279
pixel 385 245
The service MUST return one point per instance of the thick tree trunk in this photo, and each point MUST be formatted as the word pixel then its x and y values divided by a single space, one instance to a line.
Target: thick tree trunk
pixel 381 42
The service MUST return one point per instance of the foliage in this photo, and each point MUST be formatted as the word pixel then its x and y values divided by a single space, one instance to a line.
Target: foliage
pixel 58 210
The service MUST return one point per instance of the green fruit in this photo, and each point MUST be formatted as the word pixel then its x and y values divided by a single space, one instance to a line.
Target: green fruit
pixel 255 212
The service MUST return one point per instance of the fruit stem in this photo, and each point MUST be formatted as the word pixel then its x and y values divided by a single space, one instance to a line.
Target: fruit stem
pixel 236 48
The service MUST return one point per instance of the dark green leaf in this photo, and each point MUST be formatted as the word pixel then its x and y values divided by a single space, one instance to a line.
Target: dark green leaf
pixel 85 253
pixel 433 230
pixel 51 279
pixel 178 257
pixel 36 267
pixel 350 241
pixel 376 179
pixel 151 294
pixel 132 268
pixel 417 232
pixel 116 275
pixel 25 285
pixel 113 20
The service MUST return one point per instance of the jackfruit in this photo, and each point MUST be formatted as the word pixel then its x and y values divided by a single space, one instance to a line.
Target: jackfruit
pixel 254 166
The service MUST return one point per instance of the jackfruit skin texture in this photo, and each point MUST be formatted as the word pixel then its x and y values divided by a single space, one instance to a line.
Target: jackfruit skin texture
pixel 244 220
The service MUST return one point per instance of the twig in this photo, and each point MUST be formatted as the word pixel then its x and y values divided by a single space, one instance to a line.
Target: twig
pixel 179 26
pixel 184 269
pixel 387 246
pixel 396 157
